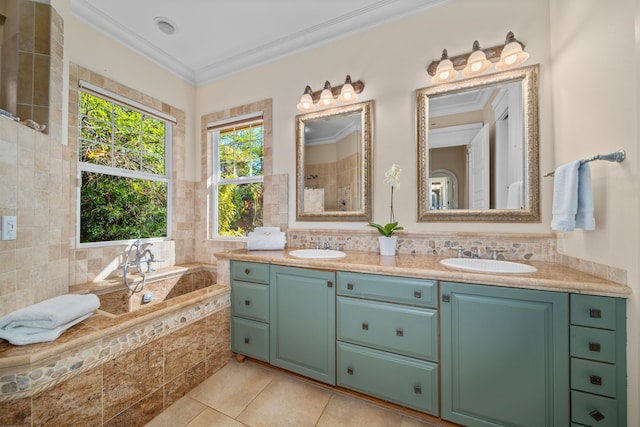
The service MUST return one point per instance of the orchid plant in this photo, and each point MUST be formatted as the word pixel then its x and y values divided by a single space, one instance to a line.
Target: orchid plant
pixel 392 179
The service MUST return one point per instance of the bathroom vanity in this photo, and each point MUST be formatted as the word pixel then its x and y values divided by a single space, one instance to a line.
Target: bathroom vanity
pixel 473 349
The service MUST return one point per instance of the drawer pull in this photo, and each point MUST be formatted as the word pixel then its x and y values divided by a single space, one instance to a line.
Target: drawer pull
pixel 594 346
pixel 350 371
pixel 247 271
pixel 399 333
pixel 595 380
pixel 596 415
pixel 365 326
pixel 247 302
pixel 446 298
pixel 417 389
pixel 329 284
pixel 595 313
pixel 350 286
pixel 246 340
pixel 417 294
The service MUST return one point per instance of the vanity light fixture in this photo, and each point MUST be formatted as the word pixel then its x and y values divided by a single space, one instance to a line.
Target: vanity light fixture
pixel 478 61
pixel 329 96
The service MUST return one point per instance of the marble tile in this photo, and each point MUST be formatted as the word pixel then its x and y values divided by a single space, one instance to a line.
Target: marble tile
pixel 77 401
pixel 218 349
pixel 181 385
pixel 184 349
pixel 233 387
pixel 16 413
pixel 286 401
pixel 130 377
pixel 140 413
pixel 179 413
pixel 210 417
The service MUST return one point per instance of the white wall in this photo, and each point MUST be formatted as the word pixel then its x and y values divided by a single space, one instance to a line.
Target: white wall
pixel 595 49
pixel 391 61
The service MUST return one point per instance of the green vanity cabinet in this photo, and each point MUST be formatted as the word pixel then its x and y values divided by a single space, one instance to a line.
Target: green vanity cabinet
pixel 387 332
pixel 302 320
pixel 598 361
pixel 250 309
pixel 504 356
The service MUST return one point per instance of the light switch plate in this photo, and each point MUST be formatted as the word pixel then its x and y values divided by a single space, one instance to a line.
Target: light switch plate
pixel 9 226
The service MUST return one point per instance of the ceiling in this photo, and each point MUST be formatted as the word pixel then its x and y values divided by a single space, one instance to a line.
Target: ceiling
pixel 218 38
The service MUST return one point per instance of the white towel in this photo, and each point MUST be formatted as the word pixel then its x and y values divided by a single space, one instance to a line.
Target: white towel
pixel 515 195
pixel 52 313
pixel 23 335
pixel 572 198
pixel 266 238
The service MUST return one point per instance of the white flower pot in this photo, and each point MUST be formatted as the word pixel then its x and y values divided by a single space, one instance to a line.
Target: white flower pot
pixel 388 245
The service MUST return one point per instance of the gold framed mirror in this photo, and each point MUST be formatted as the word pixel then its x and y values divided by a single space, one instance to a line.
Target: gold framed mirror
pixel 484 132
pixel 333 164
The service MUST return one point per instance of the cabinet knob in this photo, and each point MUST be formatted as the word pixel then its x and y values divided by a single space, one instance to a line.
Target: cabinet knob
pixel 417 294
pixel 595 380
pixel 246 340
pixel 596 415
pixel 417 389
pixel 350 286
pixel 247 271
pixel 446 298
pixel 247 302
pixel 329 284
pixel 594 346
pixel 365 326
pixel 399 332
pixel 350 371
pixel 595 313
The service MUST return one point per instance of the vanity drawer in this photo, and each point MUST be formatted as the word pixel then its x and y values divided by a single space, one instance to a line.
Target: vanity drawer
pixel 250 300
pixel 250 271
pixel 250 338
pixel 389 288
pixel 591 410
pixel 593 311
pixel 590 343
pixel 593 377
pixel 400 329
pixel 402 380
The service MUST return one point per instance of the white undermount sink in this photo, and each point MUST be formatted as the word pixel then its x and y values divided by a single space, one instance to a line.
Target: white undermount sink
pixel 317 254
pixel 488 265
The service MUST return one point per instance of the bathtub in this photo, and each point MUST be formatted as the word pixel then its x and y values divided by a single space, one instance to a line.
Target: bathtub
pixel 126 363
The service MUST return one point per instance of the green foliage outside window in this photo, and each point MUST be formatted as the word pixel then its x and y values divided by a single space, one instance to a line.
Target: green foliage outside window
pixel 115 207
pixel 240 156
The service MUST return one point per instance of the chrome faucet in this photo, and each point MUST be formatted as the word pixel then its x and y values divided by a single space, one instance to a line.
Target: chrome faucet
pixel 144 256
pixel 475 253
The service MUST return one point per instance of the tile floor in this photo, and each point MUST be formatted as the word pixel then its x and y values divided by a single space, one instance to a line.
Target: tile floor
pixel 249 394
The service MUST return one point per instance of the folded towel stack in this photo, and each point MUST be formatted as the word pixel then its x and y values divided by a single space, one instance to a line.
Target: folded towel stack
pixel 46 320
pixel 266 238
pixel 572 198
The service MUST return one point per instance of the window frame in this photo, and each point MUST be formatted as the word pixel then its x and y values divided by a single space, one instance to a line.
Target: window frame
pixel 214 129
pixel 169 122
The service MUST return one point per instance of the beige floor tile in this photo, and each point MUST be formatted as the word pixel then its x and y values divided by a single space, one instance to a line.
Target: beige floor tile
pixel 350 411
pixel 233 387
pixel 286 401
pixel 210 418
pixel 178 414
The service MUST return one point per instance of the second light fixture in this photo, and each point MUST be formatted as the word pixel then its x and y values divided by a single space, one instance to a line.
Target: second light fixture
pixel 329 96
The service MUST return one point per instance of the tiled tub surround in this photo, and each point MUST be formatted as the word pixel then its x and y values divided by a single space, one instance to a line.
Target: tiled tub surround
pixel 117 370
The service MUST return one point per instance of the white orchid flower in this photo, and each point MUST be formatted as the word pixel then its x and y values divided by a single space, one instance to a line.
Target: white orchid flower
pixel 392 176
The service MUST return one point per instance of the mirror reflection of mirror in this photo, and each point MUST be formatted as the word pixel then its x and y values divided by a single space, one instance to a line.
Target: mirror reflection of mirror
pixel 443 185
pixel 25 61
pixel 483 131
pixel 333 161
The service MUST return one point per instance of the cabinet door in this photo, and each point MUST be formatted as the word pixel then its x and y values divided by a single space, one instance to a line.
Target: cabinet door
pixel 303 306
pixel 504 356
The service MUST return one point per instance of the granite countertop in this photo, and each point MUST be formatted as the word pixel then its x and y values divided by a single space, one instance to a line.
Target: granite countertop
pixel 550 276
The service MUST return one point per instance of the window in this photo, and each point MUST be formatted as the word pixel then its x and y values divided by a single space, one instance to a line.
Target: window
pixel 123 163
pixel 238 151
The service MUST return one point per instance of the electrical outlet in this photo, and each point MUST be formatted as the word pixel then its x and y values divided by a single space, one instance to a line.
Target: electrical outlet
pixel 9 226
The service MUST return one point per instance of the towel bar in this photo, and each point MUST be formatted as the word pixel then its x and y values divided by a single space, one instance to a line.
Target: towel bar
pixel 617 157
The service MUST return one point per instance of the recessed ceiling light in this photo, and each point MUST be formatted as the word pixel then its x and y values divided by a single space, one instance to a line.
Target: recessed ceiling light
pixel 165 25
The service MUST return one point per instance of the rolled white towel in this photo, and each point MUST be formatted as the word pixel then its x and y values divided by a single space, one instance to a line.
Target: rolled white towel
pixel 52 313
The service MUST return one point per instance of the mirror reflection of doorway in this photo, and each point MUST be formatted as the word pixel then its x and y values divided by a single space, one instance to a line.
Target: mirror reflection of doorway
pixel 443 185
